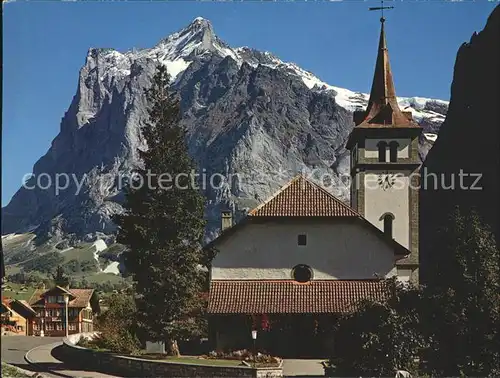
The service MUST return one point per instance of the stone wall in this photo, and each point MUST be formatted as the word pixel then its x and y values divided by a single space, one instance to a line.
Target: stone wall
pixel 136 367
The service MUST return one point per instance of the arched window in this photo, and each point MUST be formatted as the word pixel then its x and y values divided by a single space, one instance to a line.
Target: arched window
pixel 382 148
pixel 302 273
pixel 393 151
pixel 388 219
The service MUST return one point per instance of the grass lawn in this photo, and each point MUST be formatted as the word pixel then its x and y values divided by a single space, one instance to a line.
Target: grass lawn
pixel 202 361
pixel 101 277
pixel 190 360
pixel 11 371
pixel 83 253
pixel 17 291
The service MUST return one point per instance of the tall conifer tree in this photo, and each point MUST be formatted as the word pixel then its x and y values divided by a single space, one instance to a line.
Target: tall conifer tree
pixel 163 222
pixel 60 279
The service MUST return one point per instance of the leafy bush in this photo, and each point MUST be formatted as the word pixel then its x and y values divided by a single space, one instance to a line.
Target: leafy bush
pixel 462 312
pixel 380 338
pixel 117 328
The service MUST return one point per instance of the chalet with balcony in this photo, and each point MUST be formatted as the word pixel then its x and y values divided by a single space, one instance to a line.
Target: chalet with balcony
pixel 51 311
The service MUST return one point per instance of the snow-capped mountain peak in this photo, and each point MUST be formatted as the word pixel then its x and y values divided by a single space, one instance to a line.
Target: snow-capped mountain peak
pixel 196 38
pixel 249 115
pixel 178 50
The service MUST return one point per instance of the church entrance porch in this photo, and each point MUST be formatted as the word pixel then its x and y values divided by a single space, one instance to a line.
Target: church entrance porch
pixel 282 335
pixel 299 335
pixel 293 320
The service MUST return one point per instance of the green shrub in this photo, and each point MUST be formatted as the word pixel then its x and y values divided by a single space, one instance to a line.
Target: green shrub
pixel 379 338
pixel 117 328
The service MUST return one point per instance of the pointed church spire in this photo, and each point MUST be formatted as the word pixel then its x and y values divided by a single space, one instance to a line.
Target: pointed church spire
pixel 382 87
pixel 383 108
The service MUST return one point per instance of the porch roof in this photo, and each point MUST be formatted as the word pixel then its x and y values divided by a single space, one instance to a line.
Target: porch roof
pixel 291 297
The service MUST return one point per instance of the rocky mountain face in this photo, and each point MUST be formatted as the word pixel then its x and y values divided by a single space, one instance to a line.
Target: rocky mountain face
pixel 253 121
pixel 471 125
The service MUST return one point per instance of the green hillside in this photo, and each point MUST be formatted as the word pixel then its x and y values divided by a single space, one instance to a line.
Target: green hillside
pixel 28 264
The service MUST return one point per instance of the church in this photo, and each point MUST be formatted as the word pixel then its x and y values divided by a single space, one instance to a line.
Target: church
pixel 303 257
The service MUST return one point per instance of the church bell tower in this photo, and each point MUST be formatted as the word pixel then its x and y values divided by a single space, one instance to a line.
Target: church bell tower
pixel 384 163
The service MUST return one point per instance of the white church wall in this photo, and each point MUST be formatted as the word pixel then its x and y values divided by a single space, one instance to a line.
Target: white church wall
pixel 336 250
pixel 393 200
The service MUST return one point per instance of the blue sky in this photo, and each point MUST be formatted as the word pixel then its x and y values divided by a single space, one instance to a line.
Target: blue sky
pixel 45 44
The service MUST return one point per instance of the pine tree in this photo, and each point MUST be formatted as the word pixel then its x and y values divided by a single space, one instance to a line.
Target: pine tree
pixel 84 283
pixel 163 223
pixel 60 279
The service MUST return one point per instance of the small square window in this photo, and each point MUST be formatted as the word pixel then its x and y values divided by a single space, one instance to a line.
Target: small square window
pixel 302 240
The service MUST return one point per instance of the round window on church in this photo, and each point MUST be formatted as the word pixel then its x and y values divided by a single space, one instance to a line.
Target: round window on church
pixel 302 273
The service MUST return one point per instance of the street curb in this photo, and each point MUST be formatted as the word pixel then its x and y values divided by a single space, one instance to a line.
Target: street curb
pixel 26 372
pixel 38 365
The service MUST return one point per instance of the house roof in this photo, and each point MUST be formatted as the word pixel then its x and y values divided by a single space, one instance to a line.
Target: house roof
pixel 303 198
pixel 58 289
pixel 26 305
pixel 81 297
pixel 22 308
pixel 290 297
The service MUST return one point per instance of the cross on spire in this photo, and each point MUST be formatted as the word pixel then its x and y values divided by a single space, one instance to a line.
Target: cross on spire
pixel 381 8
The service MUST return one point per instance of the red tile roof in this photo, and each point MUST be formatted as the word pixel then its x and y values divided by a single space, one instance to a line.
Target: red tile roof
pixel 81 300
pixel 82 297
pixel 290 297
pixel 303 198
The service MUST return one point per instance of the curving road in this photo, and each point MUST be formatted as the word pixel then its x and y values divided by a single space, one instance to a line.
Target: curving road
pixel 43 352
pixel 15 347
